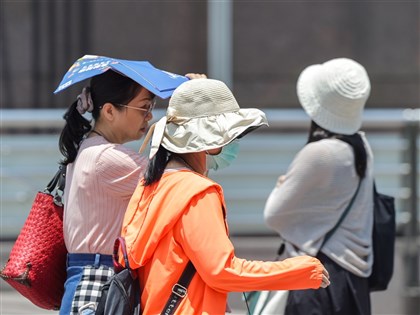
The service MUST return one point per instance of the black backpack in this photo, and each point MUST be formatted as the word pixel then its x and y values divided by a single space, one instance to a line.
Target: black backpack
pixel 121 294
pixel 383 239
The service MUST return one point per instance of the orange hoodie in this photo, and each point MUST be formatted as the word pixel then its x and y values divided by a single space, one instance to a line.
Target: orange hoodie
pixel 182 218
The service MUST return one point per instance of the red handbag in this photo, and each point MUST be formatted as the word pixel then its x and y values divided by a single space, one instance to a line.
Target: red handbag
pixel 36 267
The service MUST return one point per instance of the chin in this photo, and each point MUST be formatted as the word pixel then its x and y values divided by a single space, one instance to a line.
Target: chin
pixel 139 135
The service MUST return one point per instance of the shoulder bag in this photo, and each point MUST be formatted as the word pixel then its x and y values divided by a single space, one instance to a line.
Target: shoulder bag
pixel 36 267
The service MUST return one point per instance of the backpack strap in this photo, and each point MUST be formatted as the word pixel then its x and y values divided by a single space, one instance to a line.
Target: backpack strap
pixel 120 244
pixel 179 290
pixel 331 232
pixel 343 216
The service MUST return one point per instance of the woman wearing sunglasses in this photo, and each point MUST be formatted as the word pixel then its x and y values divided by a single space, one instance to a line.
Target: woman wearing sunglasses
pixel 101 177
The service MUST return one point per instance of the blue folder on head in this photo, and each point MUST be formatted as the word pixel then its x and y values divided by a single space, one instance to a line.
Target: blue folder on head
pixel 158 82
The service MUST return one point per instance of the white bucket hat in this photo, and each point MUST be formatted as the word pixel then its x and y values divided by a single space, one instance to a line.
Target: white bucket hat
pixel 334 94
pixel 202 115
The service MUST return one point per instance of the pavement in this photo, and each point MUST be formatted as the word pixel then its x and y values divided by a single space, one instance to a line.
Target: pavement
pixel 394 301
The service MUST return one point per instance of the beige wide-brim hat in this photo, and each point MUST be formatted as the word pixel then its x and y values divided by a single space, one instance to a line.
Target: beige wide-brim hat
pixel 202 115
pixel 334 94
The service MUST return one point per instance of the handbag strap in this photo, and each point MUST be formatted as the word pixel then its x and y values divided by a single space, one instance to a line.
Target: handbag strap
pixel 375 192
pixel 57 183
pixel 179 290
pixel 343 216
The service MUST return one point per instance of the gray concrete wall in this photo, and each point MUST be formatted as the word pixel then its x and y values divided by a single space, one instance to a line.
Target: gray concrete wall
pixel 272 42
pixel 275 40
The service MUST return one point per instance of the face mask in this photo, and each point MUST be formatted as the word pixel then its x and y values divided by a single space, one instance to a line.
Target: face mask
pixel 225 157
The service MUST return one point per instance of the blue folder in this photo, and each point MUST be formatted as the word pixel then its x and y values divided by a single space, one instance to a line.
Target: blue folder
pixel 159 82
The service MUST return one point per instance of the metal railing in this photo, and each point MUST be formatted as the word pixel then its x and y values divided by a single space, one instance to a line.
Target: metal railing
pixel 29 153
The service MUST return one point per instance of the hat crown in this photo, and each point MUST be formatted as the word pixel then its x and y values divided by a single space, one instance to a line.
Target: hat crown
pixel 334 94
pixel 203 115
pixel 201 98
pixel 343 85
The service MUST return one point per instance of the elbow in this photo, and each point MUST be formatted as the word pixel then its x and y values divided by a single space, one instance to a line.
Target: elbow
pixel 271 213
pixel 267 217
pixel 271 220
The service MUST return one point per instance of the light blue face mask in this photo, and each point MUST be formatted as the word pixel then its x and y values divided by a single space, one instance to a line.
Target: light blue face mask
pixel 225 157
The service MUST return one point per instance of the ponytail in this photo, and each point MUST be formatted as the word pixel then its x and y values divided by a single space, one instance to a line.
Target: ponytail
pixel 156 166
pixel 72 134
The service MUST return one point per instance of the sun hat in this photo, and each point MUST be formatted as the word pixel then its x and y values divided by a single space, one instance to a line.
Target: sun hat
pixel 334 94
pixel 202 115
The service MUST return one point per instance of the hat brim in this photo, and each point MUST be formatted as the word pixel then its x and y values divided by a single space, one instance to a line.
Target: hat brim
pixel 309 100
pixel 207 133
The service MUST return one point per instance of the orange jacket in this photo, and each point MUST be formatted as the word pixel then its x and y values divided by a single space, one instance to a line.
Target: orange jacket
pixel 182 218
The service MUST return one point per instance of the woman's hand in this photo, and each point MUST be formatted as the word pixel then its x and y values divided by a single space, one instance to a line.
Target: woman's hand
pixel 325 278
pixel 192 76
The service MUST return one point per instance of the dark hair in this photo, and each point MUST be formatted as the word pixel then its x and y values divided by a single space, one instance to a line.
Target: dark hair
pixel 317 133
pixel 156 166
pixel 109 87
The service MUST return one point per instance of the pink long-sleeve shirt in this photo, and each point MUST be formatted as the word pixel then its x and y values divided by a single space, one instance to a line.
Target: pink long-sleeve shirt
pixel 99 184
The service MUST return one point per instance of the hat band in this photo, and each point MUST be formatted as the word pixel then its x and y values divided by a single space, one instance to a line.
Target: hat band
pixel 147 138
pixel 158 131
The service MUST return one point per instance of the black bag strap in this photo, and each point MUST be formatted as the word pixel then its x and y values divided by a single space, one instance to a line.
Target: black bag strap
pixel 343 216
pixel 375 192
pixel 57 184
pixel 179 290
pixel 331 232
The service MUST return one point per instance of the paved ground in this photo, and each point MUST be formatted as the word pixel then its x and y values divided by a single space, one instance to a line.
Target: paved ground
pixel 392 302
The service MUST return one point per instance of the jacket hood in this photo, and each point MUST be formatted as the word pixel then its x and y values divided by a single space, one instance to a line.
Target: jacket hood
pixel 155 209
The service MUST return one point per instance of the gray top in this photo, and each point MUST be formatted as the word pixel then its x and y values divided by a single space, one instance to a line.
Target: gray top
pixel 306 204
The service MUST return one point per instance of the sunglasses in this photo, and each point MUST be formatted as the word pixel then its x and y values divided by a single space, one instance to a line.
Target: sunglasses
pixel 147 109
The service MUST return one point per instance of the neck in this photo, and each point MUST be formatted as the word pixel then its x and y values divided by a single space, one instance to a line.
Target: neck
pixel 193 161
pixel 99 133
pixel 105 133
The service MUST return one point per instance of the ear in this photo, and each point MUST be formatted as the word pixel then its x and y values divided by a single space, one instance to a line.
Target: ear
pixel 214 151
pixel 108 111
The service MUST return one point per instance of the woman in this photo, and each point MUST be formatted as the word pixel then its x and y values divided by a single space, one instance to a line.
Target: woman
pixel 177 214
pixel 321 182
pixel 101 177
